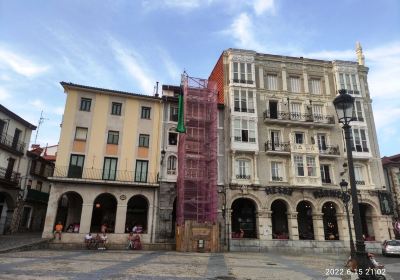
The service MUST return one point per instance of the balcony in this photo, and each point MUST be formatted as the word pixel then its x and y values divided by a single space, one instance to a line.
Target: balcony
pixel 304 148
pixel 360 182
pixel 329 151
pixel 277 179
pixel 243 177
pixel 279 148
pixel 298 118
pixel 36 196
pixel 306 181
pixel 10 144
pixel 9 177
pixel 76 173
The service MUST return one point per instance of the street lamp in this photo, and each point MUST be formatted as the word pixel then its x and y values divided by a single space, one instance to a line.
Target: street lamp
pixel 344 106
pixel 346 198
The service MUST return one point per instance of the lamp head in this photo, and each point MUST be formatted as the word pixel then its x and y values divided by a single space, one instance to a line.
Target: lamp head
pixel 344 104
pixel 343 185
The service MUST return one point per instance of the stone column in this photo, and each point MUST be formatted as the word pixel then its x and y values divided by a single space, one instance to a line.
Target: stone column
pixel 51 213
pixel 284 79
pixel 327 87
pixel 293 226
pixel 86 217
pixel 261 76
pixel 120 218
pixel 318 224
pixel 256 180
pixel 263 227
pixel 305 77
pixel 342 226
pixel 233 177
pixel 228 225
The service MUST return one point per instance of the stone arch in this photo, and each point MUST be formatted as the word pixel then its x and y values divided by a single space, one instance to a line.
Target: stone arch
pixel 244 218
pixel 249 196
pixel 305 222
pixel 274 197
pixel 309 200
pixel 337 203
pixel 371 203
pixel 330 221
pixel 7 205
pixel 69 211
pixel 367 212
pixel 137 213
pixel 279 218
pixel 104 213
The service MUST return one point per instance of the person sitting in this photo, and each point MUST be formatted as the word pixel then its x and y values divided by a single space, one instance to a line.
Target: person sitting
pixel 103 228
pixel 88 240
pixel 58 230
pixel 97 241
pixel 104 240
pixel 130 241
pixel 70 228
pixel 137 245
pixel 374 262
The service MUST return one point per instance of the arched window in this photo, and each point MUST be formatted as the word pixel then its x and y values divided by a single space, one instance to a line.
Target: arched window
pixel 244 218
pixel 305 221
pixel 171 165
pixel 280 229
pixel 104 213
pixel 330 221
pixel 366 213
pixel 136 214
pixel 69 211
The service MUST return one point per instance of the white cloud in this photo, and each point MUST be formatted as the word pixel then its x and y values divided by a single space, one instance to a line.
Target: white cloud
pixel 242 30
pixel 4 94
pixel 134 65
pixel 20 64
pixel 172 68
pixel 58 110
pixel 262 6
pixel 38 104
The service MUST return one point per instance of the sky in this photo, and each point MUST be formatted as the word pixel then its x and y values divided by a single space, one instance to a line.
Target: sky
pixel 128 45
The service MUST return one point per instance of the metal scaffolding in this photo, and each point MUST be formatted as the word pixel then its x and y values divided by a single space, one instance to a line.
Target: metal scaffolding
pixel 197 153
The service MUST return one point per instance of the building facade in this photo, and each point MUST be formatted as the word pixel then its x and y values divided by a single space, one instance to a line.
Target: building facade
pixel 15 134
pixel 108 158
pixel 285 151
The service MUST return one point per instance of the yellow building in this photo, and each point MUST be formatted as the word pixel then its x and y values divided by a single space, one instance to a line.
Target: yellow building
pixel 107 165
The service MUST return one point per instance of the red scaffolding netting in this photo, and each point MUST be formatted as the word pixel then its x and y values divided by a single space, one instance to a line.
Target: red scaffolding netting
pixel 197 153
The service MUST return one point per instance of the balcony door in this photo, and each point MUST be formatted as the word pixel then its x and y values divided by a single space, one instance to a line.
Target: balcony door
pixel 273 109
pixel 275 140
pixel 17 134
pixel 75 169
pixel 321 142
pixel 10 167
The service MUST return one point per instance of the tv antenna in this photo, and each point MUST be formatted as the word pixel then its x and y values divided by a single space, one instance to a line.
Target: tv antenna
pixel 41 120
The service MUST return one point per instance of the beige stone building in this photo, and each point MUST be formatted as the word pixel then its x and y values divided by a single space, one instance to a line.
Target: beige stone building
pixel 285 153
pixel 106 173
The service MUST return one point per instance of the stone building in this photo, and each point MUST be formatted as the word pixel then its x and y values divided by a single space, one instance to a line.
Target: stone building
pixel 106 172
pixel 15 134
pixel 285 152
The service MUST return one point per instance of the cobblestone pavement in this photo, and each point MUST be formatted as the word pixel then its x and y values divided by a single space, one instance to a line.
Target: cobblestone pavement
pixel 18 240
pixel 147 265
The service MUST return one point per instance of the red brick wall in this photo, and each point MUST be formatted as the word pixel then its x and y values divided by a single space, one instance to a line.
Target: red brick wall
pixel 217 75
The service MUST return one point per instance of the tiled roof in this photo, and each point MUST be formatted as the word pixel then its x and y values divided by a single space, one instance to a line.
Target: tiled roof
pixel 395 159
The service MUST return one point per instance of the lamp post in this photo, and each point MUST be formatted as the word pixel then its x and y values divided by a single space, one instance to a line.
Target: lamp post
pixel 344 106
pixel 346 198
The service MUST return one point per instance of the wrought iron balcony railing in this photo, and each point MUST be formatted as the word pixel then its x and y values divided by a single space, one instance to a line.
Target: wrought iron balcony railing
pixel 295 116
pixel 75 172
pixel 277 178
pixel 9 176
pixel 360 182
pixel 11 143
pixel 329 150
pixel 279 146
pixel 246 177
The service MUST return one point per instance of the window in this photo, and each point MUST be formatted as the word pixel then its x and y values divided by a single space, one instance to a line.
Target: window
pixel 359 142
pixel 317 112
pixel 299 137
pixel 299 165
pixel 349 82
pixel 276 171
pixel 311 166
pixel 173 138
pixel 242 73
pixel 341 79
pixel 358 112
pixel 315 86
pixel 295 111
pixel 321 138
pixel 2 125
pixel 110 168
pixel 144 140
pixel 145 112
pixel 325 175
pixel 76 166
pixel 141 171
pixel 358 174
pixel 39 185
pixel 243 101
pixel 85 104
pixel 171 165
pixel 272 82
pixel 275 140
pixel 113 137
pixel 295 84
pixel 116 108
pixel 81 133
pixel 173 113
pixel 242 169
pixel 354 83
pixel 244 130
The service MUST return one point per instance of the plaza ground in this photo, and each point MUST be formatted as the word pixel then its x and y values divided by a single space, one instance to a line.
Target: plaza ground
pixel 149 265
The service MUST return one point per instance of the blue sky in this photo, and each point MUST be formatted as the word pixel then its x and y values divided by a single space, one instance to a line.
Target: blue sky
pixel 129 45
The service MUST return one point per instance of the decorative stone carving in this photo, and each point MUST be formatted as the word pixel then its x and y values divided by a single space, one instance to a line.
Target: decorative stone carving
pixel 240 58
pixel 295 66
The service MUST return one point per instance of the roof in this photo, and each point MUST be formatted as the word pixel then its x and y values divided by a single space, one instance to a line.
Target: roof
pixel 70 85
pixel 16 117
pixel 395 159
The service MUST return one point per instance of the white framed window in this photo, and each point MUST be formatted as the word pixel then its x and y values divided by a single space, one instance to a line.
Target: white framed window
pixel 299 165
pixel 359 142
pixel 311 166
pixel 171 165
pixel 325 174
pixel 244 130
pixel 295 111
pixel 81 133
pixel 322 143
pixel 359 175
pixel 295 84
pixel 318 114
pixel 243 169
pixel 276 171
pixel 242 73
pixel 299 137
pixel 272 82
pixel 243 101
pixel 315 86
pixel 358 111
pixel 349 82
